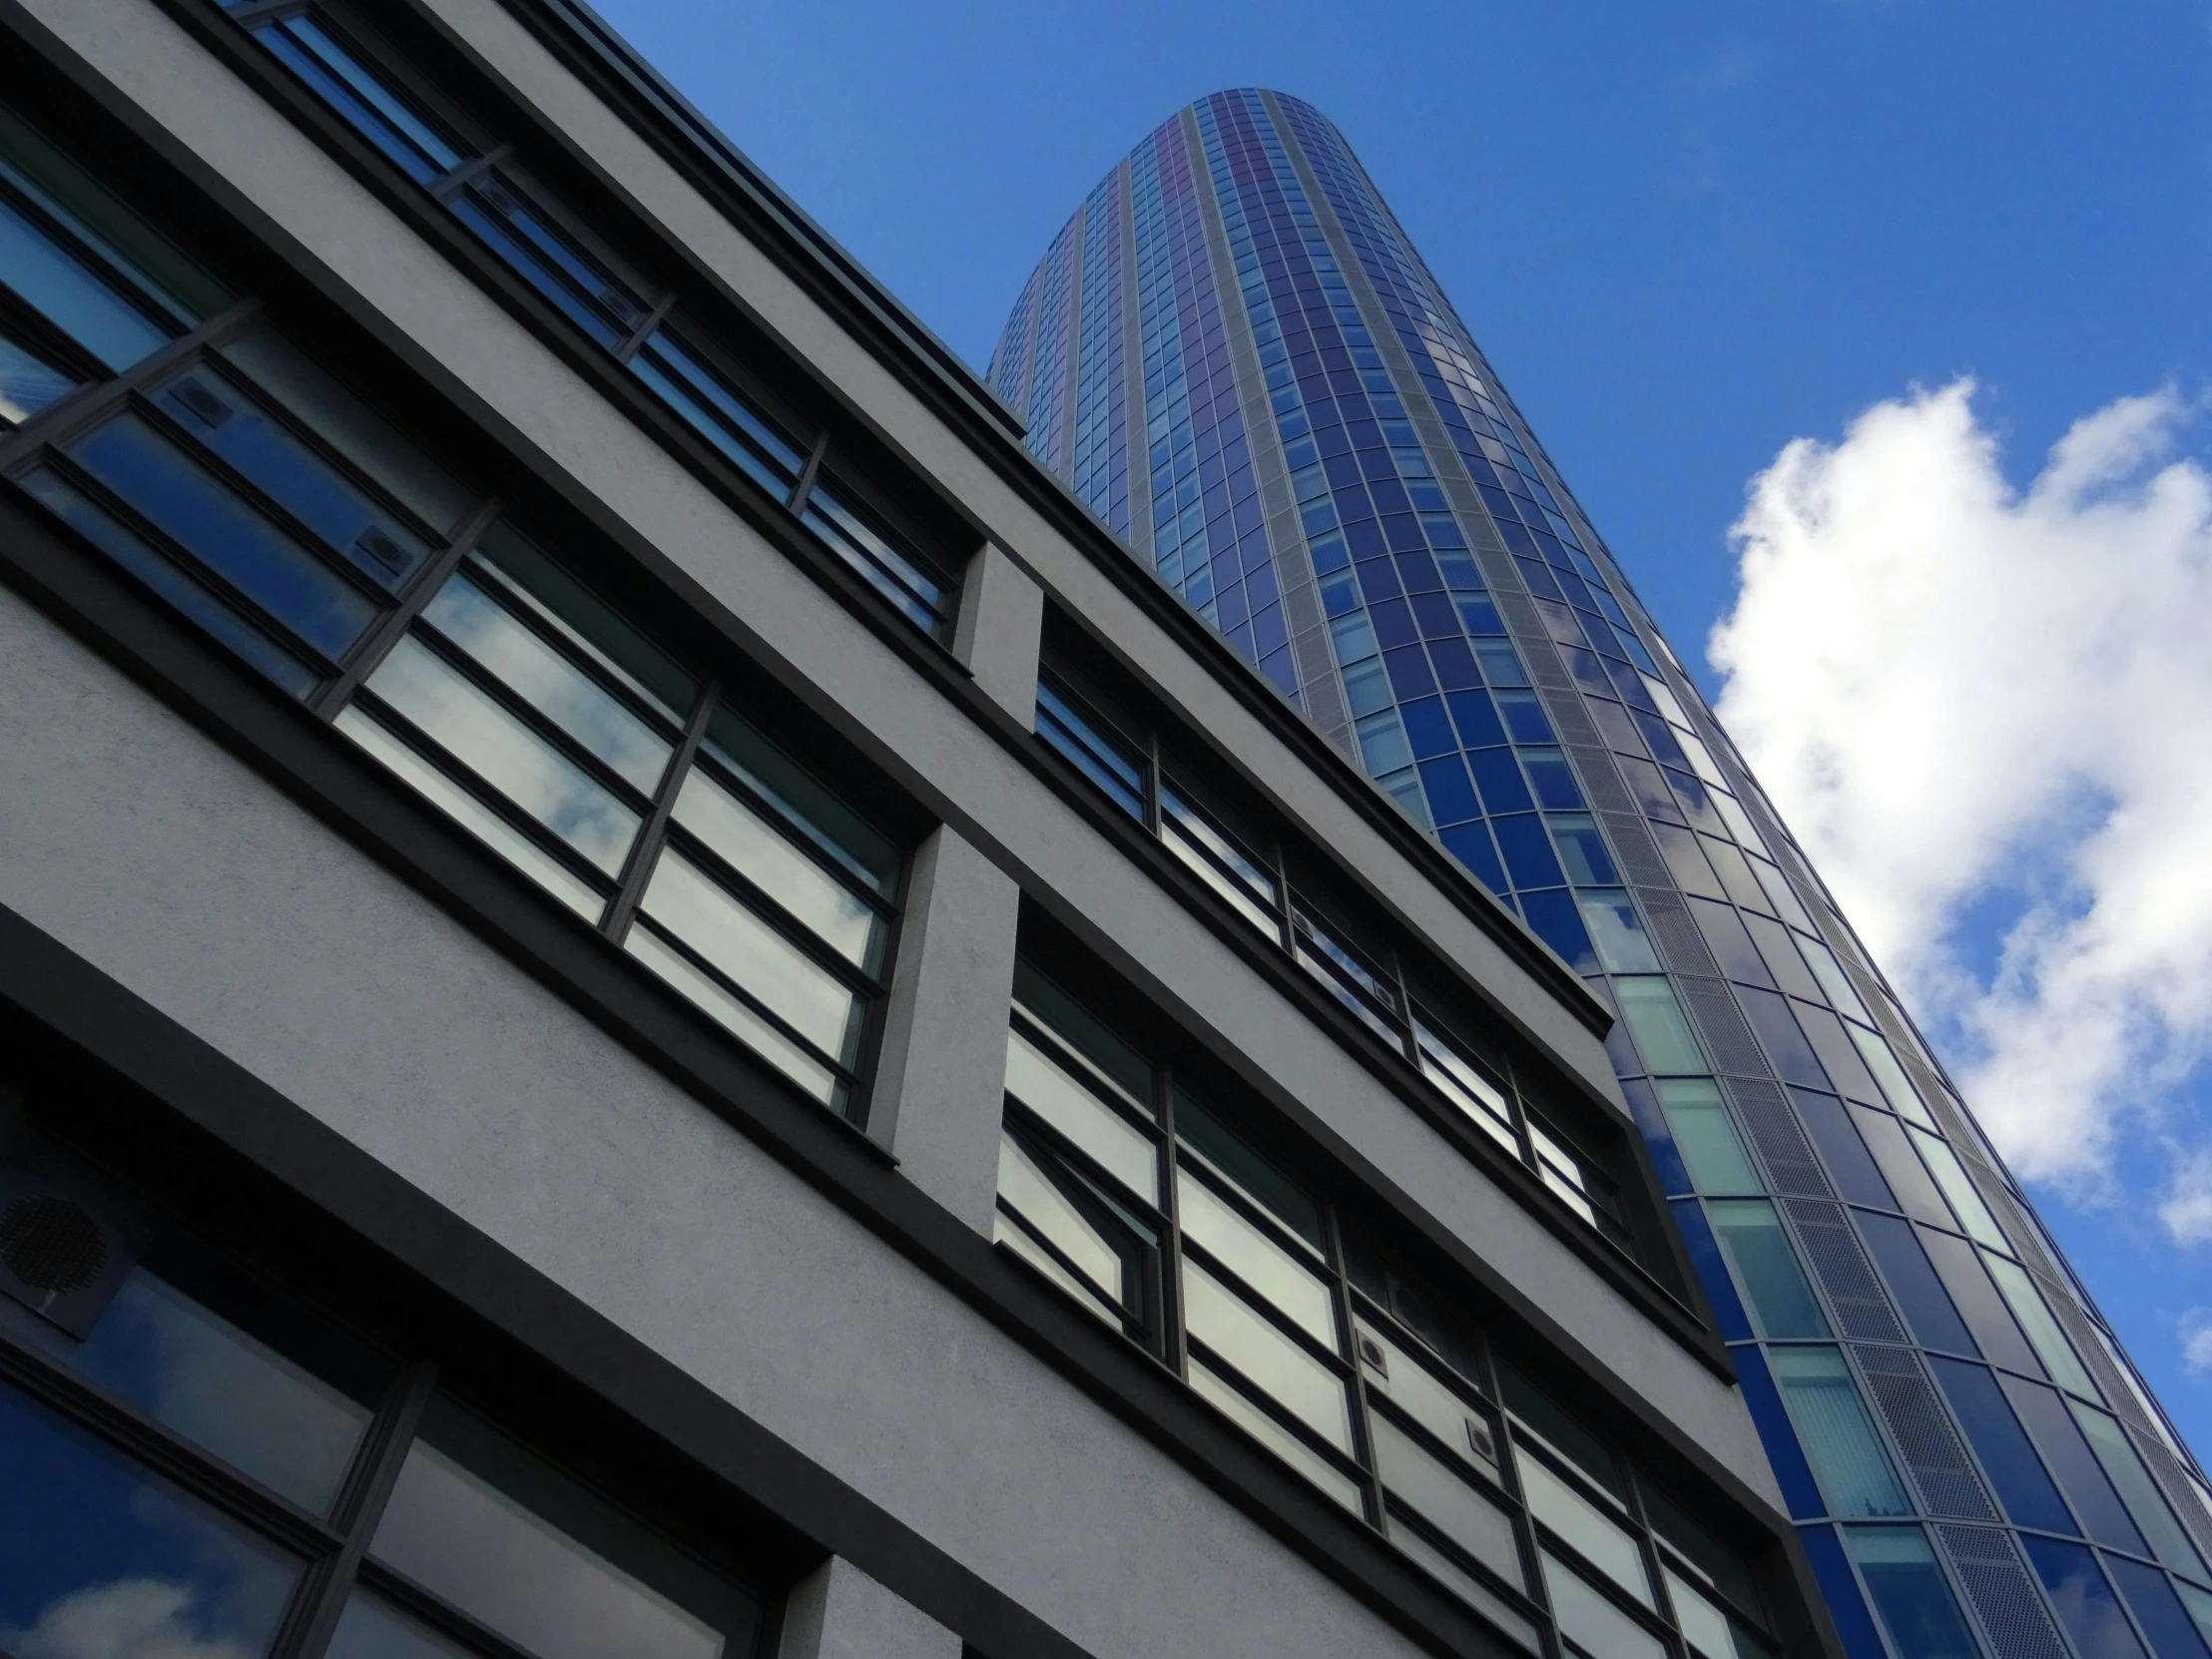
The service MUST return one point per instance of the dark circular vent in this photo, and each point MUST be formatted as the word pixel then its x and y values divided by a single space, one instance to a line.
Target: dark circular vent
pixel 50 1244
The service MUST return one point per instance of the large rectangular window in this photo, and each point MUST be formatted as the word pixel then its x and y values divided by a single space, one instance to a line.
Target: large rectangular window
pixel 246 484
pixel 460 162
pixel 1256 877
pixel 192 1463
pixel 1126 1183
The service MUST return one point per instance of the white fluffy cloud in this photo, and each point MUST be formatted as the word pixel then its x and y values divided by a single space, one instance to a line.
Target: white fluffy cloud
pixel 2196 1342
pixel 130 1618
pixel 1987 714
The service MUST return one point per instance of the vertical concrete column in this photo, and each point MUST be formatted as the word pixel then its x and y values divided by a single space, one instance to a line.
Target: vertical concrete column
pixel 839 1612
pixel 1000 626
pixel 943 1073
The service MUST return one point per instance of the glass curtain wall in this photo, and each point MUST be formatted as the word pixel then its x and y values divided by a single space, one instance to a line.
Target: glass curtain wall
pixel 1335 478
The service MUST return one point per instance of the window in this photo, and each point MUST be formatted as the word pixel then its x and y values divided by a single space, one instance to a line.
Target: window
pixel 244 483
pixel 386 95
pixel 1910 1591
pixel 1839 1437
pixel 1141 773
pixel 1125 1183
pixel 204 1450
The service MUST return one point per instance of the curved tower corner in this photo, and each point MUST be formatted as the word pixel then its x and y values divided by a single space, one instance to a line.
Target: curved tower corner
pixel 1233 354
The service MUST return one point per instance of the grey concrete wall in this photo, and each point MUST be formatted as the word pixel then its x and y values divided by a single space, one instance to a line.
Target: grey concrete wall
pixel 942 1073
pixel 839 1612
pixel 992 803
pixel 132 838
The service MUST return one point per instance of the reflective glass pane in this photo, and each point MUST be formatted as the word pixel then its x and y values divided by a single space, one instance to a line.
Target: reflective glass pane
pixel 1767 1267
pixel 1466 1515
pixel 357 94
pixel 1024 1184
pixel 2083 1600
pixel 1233 1159
pixel 1704 1626
pixel 1564 1436
pixel 1276 1437
pixel 736 1015
pixel 543 588
pixel 549 681
pixel 1016 1238
pixel 473 815
pixel 372 1628
pixel 760 853
pixel 2136 1489
pixel 171 582
pixel 347 423
pixel 107 1560
pixel 1042 1084
pixel 1839 1437
pixel 1706 1137
pixel 469 724
pixel 2028 1307
pixel 1902 1097
pixel 1257 1259
pixel 1416 1391
pixel 1910 1593
pixel 1101 758
pixel 728 421
pixel 1951 1176
pixel 1593 1625
pixel 27 384
pixel 919 596
pixel 1241 877
pixel 1465 1086
pixel 226 535
pixel 505 1539
pixel 1594 1531
pixel 1655 1020
pixel 1221 1320
pixel 2172 1634
pixel 1711 1563
pixel 57 285
pixel 1463 1583
pixel 696 908
pixel 287 1401
pixel 810 810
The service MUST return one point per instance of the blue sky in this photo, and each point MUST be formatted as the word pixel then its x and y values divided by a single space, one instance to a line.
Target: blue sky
pixel 1685 236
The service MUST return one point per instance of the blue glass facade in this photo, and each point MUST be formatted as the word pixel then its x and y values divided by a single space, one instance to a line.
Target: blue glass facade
pixel 1335 478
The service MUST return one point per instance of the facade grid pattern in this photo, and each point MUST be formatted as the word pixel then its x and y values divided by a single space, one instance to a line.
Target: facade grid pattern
pixel 1973 1464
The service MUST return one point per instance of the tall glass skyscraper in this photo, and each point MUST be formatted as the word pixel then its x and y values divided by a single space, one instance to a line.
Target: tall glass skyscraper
pixel 1233 354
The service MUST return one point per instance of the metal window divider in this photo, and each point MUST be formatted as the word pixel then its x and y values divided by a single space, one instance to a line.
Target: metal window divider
pixel 645 850
pixel 1347 1342
pixel 655 315
pixel 332 699
pixel 376 1467
pixel 461 174
pixel 803 485
pixel 1174 1351
pixel 76 412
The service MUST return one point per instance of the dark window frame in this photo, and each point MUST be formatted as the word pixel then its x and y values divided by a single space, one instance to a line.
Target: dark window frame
pixel 1345 1212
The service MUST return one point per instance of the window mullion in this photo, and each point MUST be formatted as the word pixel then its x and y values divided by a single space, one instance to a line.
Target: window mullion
pixel 645 850
pixel 1393 966
pixel 655 315
pixel 454 179
pixel 377 1473
pixel 1347 1345
pixel 387 634
pixel 1287 935
pixel 1173 1349
pixel 803 485
pixel 69 416
pixel 1154 818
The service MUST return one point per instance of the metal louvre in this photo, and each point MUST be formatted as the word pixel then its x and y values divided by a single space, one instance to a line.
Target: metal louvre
pixel 1776 1137
pixel 1942 1472
pixel 1633 845
pixel 2181 1490
pixel 1855 1294
pixel 2003 1596
pixel 1607 794
pixel 1680 943
pixel 1721 1023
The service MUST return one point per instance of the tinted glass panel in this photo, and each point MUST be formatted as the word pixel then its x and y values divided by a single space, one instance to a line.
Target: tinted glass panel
pixel 1221 1320
pixel 504 1537
pixel 1839 1437
pixel 1464 1514
pixel 1041 1083
pixel 55 283
pixel 2022 1484
pixel 2084 1600
pixel 1767 1267
pixel 1706 1137
pixel 1910 1592
pixel 1257 1259
pixel 1592 1530
pixel 111 1560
